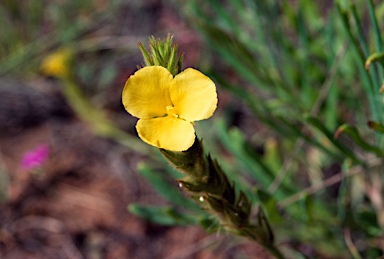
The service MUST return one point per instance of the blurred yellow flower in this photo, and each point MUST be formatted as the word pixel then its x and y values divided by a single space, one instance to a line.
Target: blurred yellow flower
pixel 56 64
pixel 167 105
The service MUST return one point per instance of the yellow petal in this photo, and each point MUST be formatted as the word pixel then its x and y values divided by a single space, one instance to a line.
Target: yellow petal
pixel 168 133
pixel 194 95
pixel 146 93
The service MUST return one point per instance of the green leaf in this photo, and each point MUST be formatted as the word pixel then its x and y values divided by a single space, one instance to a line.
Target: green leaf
pixel 236 143
pixel 328 134
pixel 165 189
pixel 354 134
pixel 269 204
pixel 161 215
pixel 375 57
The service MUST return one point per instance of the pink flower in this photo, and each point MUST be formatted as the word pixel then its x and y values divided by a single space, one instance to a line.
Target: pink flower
pixel 35 157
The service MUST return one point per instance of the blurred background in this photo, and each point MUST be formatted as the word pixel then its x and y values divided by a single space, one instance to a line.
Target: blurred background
pixel 64 187
pixel 290 129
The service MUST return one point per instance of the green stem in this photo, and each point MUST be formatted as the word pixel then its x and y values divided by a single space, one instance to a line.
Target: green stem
pixel 97 119
pixel 206 181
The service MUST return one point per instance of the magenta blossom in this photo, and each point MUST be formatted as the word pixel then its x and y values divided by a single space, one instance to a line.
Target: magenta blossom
pixel 35 157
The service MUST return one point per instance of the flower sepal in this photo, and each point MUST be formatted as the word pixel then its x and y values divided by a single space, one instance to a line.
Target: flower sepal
pixel 163 53
pixel 190 162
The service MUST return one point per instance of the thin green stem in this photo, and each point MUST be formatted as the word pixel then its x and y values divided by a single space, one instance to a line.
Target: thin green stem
pixel 376 30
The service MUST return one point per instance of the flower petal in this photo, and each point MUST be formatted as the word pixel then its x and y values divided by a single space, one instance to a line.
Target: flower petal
pixel 194 95
pixel 146 93
pixel 168 133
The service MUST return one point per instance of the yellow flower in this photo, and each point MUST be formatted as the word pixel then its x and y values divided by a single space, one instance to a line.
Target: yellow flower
pixel 56 64
pixel 167 105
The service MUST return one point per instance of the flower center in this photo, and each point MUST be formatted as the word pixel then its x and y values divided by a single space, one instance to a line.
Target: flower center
pixel 171 111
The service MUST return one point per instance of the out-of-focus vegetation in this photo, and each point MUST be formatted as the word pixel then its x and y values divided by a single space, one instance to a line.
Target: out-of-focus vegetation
pixel 301 130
